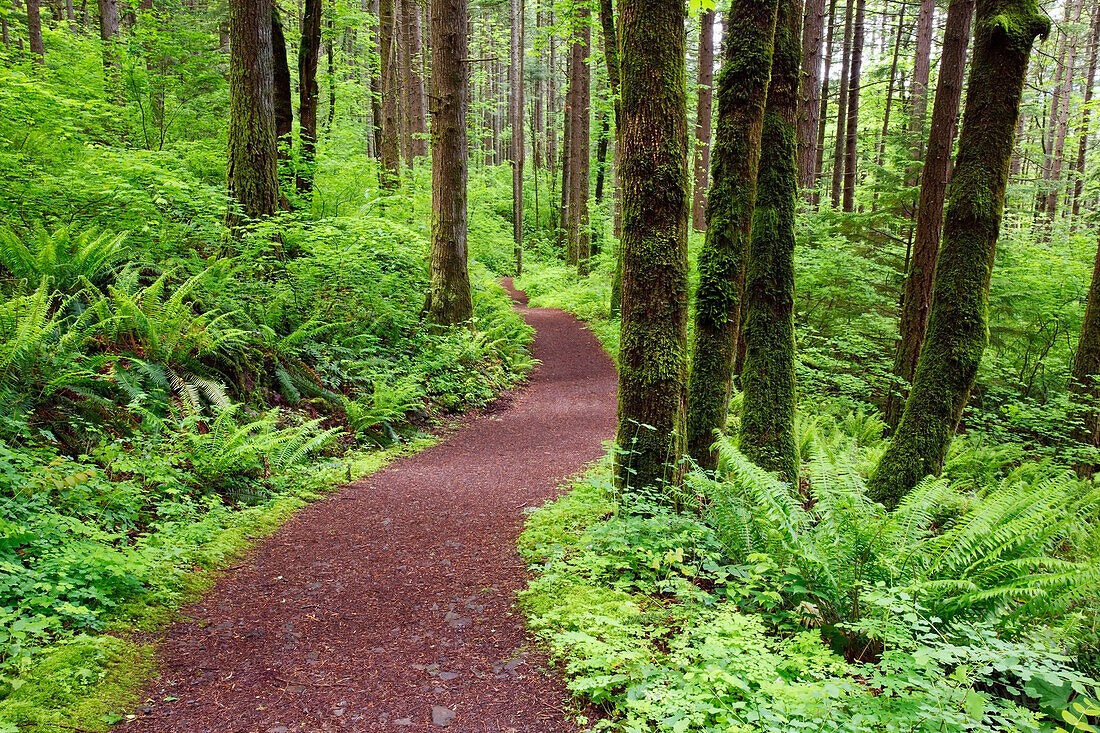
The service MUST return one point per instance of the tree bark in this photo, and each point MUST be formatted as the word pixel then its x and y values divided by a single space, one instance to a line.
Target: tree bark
pixel 515 120
pixel 252 173
pixel 767 434
pixel 1084 383
pixel 851 154
pixel 958 325
pixel 108 33
pixel 917 299
pixel 309 51
pixel 656 206
pixel 1057 101
pixel 34 30
pixel 702 120
pixel 449 298
pixel 1062 128
pixel 742 91
pixel 390 162
pixel 881 154
pixel 1083 129
pixel 842 107
pixel 284 109
pixel 918 89
pixel 823 115
pixel 611 58
pixel 809 91
pixel 376 84
pixel 580 143
pixel 414 81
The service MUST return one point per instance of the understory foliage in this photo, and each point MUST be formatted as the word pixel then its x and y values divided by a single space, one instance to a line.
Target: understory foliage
pixel 168 393
pixel 971 607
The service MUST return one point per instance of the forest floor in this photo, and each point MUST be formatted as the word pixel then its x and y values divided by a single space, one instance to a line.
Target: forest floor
pixel 390 604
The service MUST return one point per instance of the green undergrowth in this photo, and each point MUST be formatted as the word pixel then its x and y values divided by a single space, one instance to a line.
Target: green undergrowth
pixel 970 608
pixel 93 679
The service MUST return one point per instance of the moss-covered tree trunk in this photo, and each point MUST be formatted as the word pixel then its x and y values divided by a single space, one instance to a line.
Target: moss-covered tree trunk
pixel 252 173
pixel 917 299
pixel 654 178
pixel 742 91
pixel 1084 383
pixel 449 297
pixel 767 377
pixel 309 51
pixel 389 171
pixel 957 327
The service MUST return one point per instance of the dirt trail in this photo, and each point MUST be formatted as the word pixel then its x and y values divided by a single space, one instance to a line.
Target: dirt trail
pixel 391 602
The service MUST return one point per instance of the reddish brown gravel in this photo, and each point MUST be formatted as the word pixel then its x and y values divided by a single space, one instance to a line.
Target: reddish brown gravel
pixel 391 602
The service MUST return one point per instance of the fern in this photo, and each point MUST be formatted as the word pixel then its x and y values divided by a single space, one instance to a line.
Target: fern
pixel 64 258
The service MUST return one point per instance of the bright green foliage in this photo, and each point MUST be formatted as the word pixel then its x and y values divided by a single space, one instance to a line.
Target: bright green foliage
pixel 167 392
pixel 64 258
pixel 771 613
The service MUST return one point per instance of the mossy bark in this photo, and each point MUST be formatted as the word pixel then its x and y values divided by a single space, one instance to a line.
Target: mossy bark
pixel 917 299
pixel 252 173
pixel 741 94
pixel 958 323
pixel 654 178
pixel 767 377
pixel 1084 386
pixel 449 297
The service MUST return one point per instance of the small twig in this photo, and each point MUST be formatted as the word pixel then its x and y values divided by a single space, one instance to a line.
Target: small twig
pixel 474 61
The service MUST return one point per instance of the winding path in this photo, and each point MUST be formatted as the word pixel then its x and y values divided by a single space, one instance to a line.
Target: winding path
pixel 391 603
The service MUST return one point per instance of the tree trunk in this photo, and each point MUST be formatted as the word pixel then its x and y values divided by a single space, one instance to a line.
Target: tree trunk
pixel 842 107
pixel 851 155
pixel 252 173
pixel 376 85
pixel 34 30
pixel 330 74
pixel 767 416
pixel 1056 104
pixel 823 115
pixel 611 58
pixel 309 51
pixel 917 300
pixel 566 170
pixel 918 89
pixel 656 206
pixel 881 154
pixel 958 325
pixel 108 33
pixel 284 109
pixel 1084 383
pixel 579 146
pixel 601 153
pixel 1083 130
pixel 414 81
pixel 449 299
pixel 515 120
pixel 742 90
pixel 390 162
pixel 1062 128
pixel 809 90
pixel 702 120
